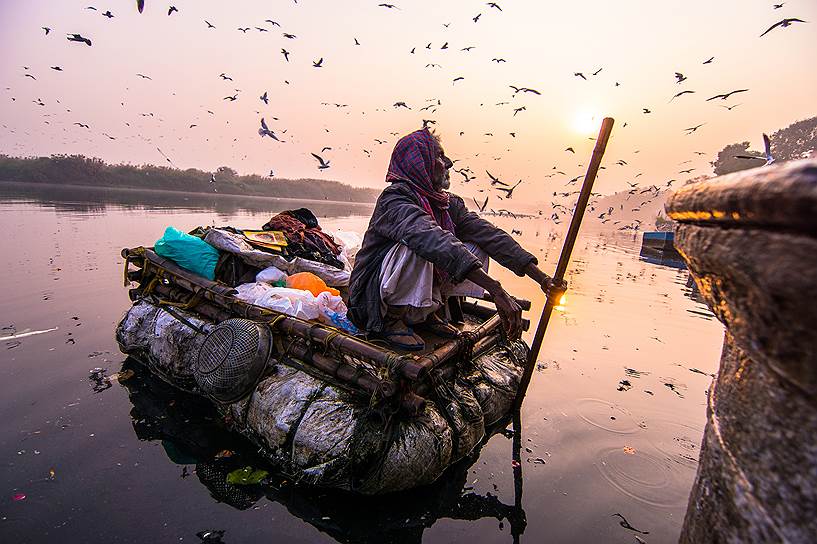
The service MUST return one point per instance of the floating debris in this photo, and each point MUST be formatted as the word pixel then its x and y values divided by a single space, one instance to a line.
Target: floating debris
pixel 246 476
pixel 624 385
pixel 701 372
pixel 212 537
pixel 626 524
pixel 102 381
pixel 633 373
pixel 27 333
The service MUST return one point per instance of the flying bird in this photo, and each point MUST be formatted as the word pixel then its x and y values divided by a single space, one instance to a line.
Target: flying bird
pixel 318 63
pixel 517 110
pixel 570 149
pixel 724 96
pixel 708 61
pixel 477 17
pixel 495 180
pixel 225 77
pixel 493 5
pixel 265 131
pixel 171 9
pixel 524 90
pixel 47 30
pixel 597 71
pixel 285 53
pixel 778 6
pixel 690 130
pixel 323 164
pixel 143 76
pixel 767 148
pixel 79 38
pixel 140 5
pixel 289 36
pixel 264 98
pixel 730 108
pixel 579 74
pixel 108 14
pixel 498 60
pixel 679 94
pixel 679 77
pixel 273 23
pixel 209 24
pixel 357 42
pixel 57 68
pixel 481 206
pixel 401 105
pixel 783 24
pixel 231 98
pixel 390 6
pixel 457 79
pixel 509 192
pixel 646 110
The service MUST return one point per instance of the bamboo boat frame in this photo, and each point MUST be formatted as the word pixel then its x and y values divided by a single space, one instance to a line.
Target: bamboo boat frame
pixel 398 378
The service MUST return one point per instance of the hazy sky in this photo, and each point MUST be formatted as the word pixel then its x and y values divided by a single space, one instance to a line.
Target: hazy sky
pixel 639 44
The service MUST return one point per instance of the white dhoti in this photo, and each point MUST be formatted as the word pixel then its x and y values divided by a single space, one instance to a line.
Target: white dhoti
pixel 406 279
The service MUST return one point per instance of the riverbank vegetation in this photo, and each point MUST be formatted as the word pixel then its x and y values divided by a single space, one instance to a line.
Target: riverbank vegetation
pixel 89 171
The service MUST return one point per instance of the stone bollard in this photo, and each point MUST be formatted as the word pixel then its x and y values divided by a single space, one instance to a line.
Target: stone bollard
pixel 750 241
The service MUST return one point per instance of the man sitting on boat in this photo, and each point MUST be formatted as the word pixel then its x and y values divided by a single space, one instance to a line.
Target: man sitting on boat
pixel 422 246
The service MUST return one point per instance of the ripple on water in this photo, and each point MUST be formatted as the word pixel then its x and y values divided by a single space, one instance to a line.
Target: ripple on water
pixel 680 442
pixel 606 415
pixel 642 476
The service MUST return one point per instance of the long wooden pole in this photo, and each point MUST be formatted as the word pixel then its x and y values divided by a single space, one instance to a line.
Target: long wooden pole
pixel 564 258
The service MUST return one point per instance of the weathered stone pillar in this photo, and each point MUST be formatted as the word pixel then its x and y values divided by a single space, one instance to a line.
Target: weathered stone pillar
pixel 750 241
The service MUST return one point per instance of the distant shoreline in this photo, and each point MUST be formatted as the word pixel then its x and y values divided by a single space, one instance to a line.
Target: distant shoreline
pixel 169 192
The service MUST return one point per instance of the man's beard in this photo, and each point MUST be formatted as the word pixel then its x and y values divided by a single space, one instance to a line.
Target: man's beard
pixel 442 183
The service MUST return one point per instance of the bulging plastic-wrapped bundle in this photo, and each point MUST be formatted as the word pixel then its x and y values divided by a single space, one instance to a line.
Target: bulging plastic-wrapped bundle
pixel 320 433
pixel 271 274
pixel 294 302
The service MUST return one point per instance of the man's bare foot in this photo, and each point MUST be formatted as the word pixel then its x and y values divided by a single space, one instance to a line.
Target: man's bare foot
pixel 436 325
pixel 401 336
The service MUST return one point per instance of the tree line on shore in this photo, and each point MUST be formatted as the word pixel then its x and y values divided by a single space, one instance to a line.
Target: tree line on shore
pixel 90 171
pixel 796 141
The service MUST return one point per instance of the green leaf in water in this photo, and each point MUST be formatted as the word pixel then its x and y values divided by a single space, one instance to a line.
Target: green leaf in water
pixel 246 476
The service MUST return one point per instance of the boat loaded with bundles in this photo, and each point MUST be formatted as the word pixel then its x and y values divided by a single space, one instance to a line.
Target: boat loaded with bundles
pixel 256 322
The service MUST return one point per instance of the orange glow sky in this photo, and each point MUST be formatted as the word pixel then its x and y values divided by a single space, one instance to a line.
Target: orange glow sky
pixel 639 44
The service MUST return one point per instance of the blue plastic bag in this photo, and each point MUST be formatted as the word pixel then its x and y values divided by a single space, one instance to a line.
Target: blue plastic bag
pixel 189 252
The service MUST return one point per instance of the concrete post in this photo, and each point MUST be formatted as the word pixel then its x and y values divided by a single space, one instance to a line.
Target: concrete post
pixel 750 241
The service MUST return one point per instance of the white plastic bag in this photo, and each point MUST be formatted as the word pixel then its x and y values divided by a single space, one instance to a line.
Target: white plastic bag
pixel 271 274
pixel 294 302
pixel 350 243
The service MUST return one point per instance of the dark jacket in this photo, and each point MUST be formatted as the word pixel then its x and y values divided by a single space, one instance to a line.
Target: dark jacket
pixel 399 218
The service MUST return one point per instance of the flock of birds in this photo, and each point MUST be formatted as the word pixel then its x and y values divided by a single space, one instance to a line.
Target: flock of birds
pixel 494 187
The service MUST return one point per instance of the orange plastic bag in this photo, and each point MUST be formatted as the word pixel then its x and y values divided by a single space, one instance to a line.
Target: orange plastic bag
pixel 308 281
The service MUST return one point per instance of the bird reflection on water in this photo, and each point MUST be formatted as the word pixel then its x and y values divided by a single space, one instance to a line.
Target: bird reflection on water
pixel 192 433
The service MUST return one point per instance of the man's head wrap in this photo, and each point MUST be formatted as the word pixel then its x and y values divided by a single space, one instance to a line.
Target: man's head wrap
pixel 412 161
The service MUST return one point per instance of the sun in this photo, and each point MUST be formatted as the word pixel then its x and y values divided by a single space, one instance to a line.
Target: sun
pixel 585 122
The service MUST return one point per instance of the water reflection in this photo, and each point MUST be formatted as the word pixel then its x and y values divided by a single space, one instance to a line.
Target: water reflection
pixel 80 201
pixel 192 435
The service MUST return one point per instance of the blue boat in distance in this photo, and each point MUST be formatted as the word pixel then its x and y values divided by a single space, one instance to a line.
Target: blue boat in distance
pixel 659 241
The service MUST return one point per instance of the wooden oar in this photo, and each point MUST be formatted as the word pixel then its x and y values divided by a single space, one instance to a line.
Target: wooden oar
pixel 554 295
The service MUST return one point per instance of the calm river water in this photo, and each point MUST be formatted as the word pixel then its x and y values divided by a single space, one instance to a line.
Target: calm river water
pixel 611 425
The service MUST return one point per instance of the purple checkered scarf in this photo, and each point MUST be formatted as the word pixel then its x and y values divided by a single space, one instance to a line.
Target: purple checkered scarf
pixel 412 161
